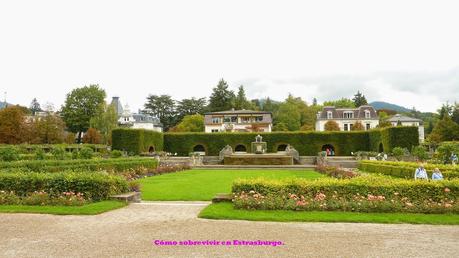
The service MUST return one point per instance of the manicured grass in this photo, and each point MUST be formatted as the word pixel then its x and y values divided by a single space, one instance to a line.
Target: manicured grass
pixel 202 185
pixel 227 212
pixel 89 209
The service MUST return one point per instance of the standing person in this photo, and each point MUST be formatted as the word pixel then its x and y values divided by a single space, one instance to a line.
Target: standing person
pixel 454 159
pixel 437 175
pixel 421 173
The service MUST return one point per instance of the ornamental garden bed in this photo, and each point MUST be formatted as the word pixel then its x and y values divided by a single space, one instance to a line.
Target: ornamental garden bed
pixel 405 169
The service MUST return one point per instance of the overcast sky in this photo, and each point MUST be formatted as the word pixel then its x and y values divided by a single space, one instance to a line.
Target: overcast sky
pixel 403 52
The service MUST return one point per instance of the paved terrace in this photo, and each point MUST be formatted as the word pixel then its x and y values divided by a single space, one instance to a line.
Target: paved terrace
pixel 129 232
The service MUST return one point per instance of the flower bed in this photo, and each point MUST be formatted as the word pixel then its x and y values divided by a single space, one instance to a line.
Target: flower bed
pixel 111 165
pixel 405 169
pixel 360 194
pixel 336 172
pixel 94 186
pixel 43 198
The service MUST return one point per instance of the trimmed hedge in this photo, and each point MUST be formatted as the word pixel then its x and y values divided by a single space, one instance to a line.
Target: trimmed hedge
pixel 136 141
pixel 363 194
pixel 405 169
pixel 115 165
pixel 30 148
pixel 93 185
pixel 307 143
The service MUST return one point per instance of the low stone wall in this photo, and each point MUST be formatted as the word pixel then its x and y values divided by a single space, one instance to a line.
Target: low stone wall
pixel 258 159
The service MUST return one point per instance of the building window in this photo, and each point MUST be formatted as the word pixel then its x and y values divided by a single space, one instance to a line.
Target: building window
pixel 346 127
pixel 329 115
pixel 215 120
pixel 214 130
pixel 245 119
pixel 368 126
pixel 348 114
pixel 367 114
pixel 258 118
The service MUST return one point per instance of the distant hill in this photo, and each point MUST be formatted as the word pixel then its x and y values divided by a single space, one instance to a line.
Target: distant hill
pixel 384 105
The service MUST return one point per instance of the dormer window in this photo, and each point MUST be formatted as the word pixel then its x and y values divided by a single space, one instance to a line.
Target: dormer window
pixel 329 115
pixel 367 114
pixel 348 114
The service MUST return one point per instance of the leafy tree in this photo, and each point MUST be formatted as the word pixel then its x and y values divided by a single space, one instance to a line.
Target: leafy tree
pixel 289 115
pixel 11 125
pixel 191 123
pixel 280 127
pixel 420 153
pixel 383 117
pixel 191 107
pixel 92 136
pixel 306 128
pixel 445 110
pixel 270 106
pixel 49 129
pixel 358 126
pixel 455 113
pixel 399 152
pixel 314 102
pixel 341 103
pixel 163 107
pixel 105 121
pixel 445 130
pixel 35 106
pixel 221 99
pixel 331 126
pixel 241 101
pixel 359 99
pixel 80 106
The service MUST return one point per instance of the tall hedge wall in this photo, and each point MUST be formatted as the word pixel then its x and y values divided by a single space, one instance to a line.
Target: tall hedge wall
pixel 307 143
pixel 136 140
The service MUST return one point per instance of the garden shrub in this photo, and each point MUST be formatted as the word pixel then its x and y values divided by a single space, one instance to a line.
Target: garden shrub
pixel 86 153
pixel 399 152
pixel 360 194
pixel 136 141
pixel 444 151
pixel 58 153
pixel 96 186
pixel 9 154
pixel 420 153
pixel 40 154
pixel 336 172
pixel 405 169
pixel 116 154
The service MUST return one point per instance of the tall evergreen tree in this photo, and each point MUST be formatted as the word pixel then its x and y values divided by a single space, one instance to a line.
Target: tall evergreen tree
pixel 455 114
pixel 163 107
pixel 359 99
pixel 241 101
pixel 35 106
pixel 222 98
pixel 191 106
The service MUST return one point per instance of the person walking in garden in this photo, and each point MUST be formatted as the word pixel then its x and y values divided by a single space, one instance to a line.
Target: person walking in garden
pixel 420 173
pixel 437 175
pixel 454 158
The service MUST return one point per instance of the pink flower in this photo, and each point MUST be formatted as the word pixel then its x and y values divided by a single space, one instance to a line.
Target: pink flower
pixel 447 190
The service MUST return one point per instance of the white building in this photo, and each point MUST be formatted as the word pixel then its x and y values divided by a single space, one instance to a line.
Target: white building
pixel 238 121
pixel 347 117
pixel 399 120
pixel 135 120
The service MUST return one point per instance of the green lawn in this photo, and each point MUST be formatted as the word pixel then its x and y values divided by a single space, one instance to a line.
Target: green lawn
pixel 202 185
pixel 88 209
pixel 226 211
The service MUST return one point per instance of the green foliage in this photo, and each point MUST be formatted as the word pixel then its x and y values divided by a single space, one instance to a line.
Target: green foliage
pixel 405 169
pixel 331 126
pixel 96 186
pixel 191 123
pixel 105 121
pixel 9 154
pixel 40 154
pixel 109 165
pixel 86 153
pixel 444 151
pixel 359 99
pixel 162 107
pixel 289 115
pixel 191 106
pixel 241 101
pixel 221 99
pixel 420 153
pixel 391 137
pixel 136 140
pixel 341 103
pixel 280 127
pixel 116 154
pixel 399 152
pixel 445 130
pixel 58 153
pixel 80 106
pixel 362 194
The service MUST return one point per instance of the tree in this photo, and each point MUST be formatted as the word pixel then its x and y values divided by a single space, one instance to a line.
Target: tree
pixel 11 124
pixel 270 105
pixel 383 117
pixel 105 121
pixel 306 128
pixel 445 110
pixel 80 106
pixel 331 126
pixel 49 129
pixel 289 115
pixel 341 103
pixel 314 102
pixel 455 113
pixel 358 126
pixel 221 99
pixel 241 101
pixel 191 123
pixel 359 99
pixel 445 130
pixel 163 107
pixel 35 106
pixel 280 127
pixel 92 136
pixel 191 107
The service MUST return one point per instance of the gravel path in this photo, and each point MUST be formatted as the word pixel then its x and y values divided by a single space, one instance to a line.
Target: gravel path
pixel 130 232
